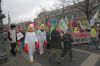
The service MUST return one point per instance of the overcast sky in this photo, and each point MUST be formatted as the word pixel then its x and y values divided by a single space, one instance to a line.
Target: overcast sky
pixel 22 10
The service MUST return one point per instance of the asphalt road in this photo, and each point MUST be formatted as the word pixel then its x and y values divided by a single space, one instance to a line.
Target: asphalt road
pixel 82 57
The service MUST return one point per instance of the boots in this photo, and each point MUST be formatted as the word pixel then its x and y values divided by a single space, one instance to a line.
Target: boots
pixel 13 52
pixel 41 52
pixel 31 60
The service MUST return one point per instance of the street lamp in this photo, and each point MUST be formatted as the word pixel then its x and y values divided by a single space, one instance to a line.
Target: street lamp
pixel 3 53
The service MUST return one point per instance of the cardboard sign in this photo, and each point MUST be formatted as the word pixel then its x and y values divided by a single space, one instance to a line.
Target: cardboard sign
pixel 19 35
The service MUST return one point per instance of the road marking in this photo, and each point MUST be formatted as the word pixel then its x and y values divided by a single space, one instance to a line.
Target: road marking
pixel 91 60
pixel 82 51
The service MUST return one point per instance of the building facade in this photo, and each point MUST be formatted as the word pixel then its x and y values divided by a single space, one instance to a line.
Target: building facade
pixel 70 11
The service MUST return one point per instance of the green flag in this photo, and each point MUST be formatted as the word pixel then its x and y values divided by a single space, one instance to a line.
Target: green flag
pixel 66 21
pixel 84 22
pixel 38 23
pixel 63 25
pixel 52 25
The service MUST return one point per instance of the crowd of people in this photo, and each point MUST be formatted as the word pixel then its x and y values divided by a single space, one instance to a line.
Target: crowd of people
pixel 40 36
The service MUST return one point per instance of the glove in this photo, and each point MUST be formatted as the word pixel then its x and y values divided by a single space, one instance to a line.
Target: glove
pixel 45 43
pixel 37 44
pixel 25 48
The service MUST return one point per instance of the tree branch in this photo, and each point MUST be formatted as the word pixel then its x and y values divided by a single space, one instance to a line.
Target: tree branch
pixel 92 8
pixel 79 4
pixel 81 9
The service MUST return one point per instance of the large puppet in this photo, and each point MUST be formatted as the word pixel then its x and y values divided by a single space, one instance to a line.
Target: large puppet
pixel 41 35
pixel 30 39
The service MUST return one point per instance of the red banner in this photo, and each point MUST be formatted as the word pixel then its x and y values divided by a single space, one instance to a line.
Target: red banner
pixel 82 37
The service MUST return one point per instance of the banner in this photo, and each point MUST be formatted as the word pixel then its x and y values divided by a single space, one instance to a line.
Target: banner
pixel 83 37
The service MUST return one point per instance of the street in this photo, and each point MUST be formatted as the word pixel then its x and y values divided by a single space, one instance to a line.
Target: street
pixel 39 29
pixel 81 55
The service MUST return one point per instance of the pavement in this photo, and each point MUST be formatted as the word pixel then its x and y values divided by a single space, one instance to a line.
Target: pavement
pixel 81 54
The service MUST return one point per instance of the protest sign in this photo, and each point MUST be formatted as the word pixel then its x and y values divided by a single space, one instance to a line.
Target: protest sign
pixel 83 37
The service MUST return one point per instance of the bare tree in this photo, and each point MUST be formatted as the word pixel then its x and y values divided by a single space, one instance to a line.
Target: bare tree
pixel 44 10
pixel 57 10
pixel 87 7
pixel 63 4
pixel 44 13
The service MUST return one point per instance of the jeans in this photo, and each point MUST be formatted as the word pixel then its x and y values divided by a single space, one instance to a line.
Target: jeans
pixel 13 46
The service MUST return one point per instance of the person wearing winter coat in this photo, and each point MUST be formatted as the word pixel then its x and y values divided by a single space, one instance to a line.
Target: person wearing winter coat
pixel 67 40
pixel 93 33
pixel 41 35
pixel 22 39
pixel 55 45
pixel 30 40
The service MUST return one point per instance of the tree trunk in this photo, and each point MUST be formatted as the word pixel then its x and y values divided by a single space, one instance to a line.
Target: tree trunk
pixel 88 16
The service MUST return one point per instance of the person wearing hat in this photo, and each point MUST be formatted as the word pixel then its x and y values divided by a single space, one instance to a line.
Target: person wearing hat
pixel 41 34
pixel 67 40
pixel 30 40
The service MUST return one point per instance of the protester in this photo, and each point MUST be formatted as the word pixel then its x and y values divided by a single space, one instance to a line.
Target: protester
pixel 22 39
pixel 93 33
pixel 30 39
pixel 41 34
pixel 76 30
pixel 19 36
pixel 55 51
pixel 61 34
pixel 12 34
pixel 67 40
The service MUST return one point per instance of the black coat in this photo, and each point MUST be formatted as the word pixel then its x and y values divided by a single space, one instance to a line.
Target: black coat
pixel 55 39
pixel 67 39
